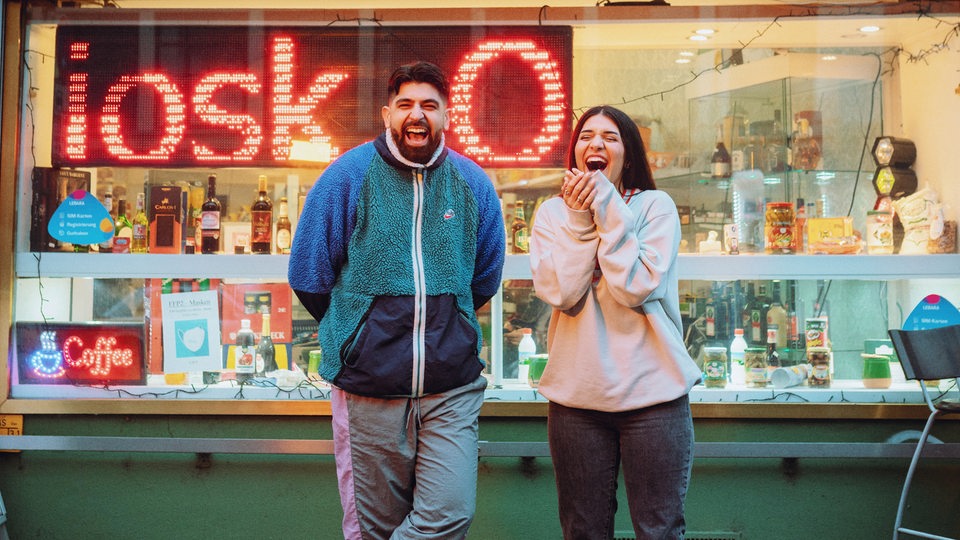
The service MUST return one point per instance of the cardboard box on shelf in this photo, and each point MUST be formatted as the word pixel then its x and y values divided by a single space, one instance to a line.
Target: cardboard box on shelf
pixel 165 214
pixel 250 301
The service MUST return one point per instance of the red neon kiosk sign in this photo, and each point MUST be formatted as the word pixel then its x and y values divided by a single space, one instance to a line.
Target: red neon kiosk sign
pixel 224 96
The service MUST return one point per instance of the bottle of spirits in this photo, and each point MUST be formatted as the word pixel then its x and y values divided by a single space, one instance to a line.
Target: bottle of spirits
pixel 284 235
pixel 738 346
pixel 777 316
pixel 773 355
pixel 710 318
pixel 806 151
pixel 123 234
pixel 266 354
pixel 107 245
pixel 748 300
pixel 525 349
pixel 141 224
pixel 758 318
pixel 720 166
pixel 210 212
pixel 519 231
pixel 752 154
pixel 261 224
pixel 245 352
pixel 775 149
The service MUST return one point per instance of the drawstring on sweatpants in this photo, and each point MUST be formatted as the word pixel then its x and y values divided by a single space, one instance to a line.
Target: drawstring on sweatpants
pixel 413 413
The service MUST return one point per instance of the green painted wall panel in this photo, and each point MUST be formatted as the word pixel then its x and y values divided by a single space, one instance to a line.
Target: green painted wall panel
pixel 57 495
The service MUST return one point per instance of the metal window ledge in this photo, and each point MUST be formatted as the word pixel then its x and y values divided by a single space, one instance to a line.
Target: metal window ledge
pixel 487 448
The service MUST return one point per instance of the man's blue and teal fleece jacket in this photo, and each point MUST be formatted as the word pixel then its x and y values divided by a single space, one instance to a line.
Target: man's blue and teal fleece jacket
pixel 393 261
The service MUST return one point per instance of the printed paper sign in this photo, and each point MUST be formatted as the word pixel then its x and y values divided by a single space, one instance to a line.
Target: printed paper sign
pixel 191 331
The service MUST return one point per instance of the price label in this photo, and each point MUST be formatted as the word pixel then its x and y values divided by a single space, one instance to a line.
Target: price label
pixel 11 424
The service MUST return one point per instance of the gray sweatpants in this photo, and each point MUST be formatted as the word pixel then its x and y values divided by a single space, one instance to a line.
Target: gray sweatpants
pixel 407 467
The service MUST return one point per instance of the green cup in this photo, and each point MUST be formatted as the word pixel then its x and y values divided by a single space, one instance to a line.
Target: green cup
pixel 537 363
pixel 313 365
pixel 876 371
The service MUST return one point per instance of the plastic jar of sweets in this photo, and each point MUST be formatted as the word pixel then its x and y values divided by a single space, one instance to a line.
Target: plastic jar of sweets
pixel 778 231
pixel 879 232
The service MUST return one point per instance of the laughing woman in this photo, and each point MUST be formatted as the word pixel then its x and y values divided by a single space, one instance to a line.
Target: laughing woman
pixel 604 255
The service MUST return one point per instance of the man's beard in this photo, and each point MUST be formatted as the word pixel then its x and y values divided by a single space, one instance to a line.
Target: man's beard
pixel 418 154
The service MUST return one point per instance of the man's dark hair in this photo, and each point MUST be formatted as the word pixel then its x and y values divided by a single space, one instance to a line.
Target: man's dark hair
pixel 419 72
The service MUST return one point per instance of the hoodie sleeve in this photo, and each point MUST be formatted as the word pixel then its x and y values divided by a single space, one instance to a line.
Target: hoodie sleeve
pixel 563 253
pixel 324 228
pixel 491 238
pixel 638 243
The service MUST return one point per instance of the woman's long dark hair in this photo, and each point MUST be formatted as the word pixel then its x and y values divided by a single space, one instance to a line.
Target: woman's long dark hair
pixel 636 169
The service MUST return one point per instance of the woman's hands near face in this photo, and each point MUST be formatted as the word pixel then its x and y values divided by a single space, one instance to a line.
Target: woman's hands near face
pixel 579 189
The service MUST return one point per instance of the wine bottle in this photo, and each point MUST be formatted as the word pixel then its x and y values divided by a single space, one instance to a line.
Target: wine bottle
pixel 720 165
pixel 519 231
pixel 775 150
pixel 284 236
pixel 210 219
pixel 261 225
pixel 245 352
pixel 266 354
pixel 107 245
pixel 141 224
pixel 123 234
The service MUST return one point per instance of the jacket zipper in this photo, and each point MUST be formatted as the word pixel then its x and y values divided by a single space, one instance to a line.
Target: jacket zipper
pixel 419 285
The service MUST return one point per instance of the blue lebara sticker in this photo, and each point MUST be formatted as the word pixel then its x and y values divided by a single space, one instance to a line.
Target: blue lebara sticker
pixel 81 219
pixel 933 311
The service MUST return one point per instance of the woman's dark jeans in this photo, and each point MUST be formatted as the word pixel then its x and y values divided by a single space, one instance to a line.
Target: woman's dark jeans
pixel 655 445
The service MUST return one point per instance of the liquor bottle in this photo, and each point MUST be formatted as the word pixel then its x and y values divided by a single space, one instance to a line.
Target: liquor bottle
pixel 123 234
pixel 806 151
pixel 794 323
pixel 800 227
pixel 519 231
pixel 777 316
pixel 720 165
pixel 773 355
pixel 738 346
pixel 710 319
pixel 141 236
pixel 266 354
pixel 210 212
pixel 525 349
pixel 758 318
pixel 195 201
pixel 245 352
pixel 261 224
pixel 723 319
pixel 107 245
pixel 284 235
pixel 748 300
pixel 775 149
pixel 752 154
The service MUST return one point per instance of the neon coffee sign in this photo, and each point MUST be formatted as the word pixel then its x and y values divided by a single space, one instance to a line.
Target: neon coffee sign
pixel 74 353
pixel 187 96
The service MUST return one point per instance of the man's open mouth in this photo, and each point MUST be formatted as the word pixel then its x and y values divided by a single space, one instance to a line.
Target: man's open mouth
pixel 416 134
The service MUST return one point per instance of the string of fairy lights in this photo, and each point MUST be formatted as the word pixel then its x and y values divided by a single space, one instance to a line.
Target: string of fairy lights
pixel 308 389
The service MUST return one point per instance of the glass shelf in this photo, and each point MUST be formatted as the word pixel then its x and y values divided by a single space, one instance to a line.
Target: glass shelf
pixel 692 266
